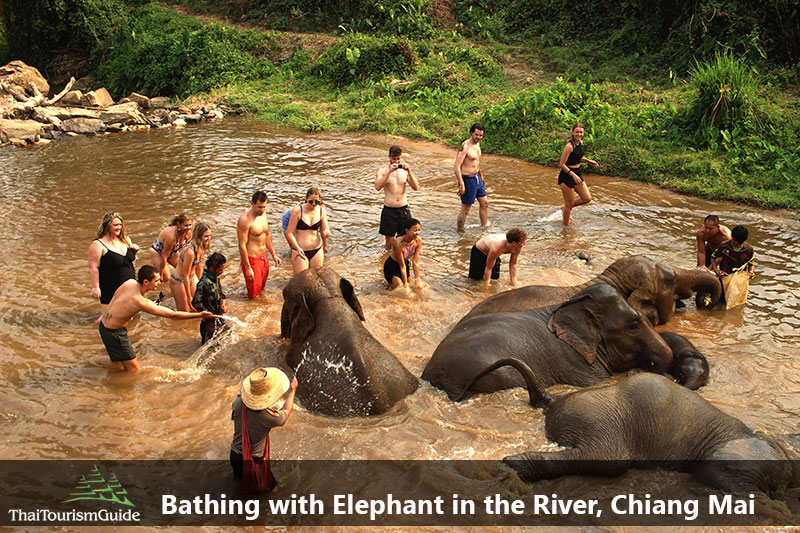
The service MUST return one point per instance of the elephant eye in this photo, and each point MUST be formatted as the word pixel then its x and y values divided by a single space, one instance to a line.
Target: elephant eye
pixel 635 324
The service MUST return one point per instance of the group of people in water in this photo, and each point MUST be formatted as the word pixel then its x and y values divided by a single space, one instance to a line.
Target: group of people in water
pixel 267 395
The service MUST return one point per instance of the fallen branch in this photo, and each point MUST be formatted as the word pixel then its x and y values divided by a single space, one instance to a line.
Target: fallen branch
pixel 60 95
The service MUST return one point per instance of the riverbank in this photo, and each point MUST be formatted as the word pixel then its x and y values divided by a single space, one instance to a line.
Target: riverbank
pixel 653 126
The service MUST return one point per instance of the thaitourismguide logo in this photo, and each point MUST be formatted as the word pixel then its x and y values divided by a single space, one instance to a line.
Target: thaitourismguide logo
pixel 92 486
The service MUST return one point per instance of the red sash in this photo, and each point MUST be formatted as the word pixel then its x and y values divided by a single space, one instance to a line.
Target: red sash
pixel 256 476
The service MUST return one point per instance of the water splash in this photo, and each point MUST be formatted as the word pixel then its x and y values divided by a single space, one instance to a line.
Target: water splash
pixel 237 321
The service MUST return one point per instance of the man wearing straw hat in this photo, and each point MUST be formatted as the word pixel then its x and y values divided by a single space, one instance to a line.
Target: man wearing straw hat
pixel 258 408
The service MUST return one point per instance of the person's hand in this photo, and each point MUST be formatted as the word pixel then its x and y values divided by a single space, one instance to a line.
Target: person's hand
pixel 192 309
pixel 326 234
pixel 277 260
pixel 325 248
pixel 208 314
pixel 461 189
pixel 224 305
pixel 248 272
pixel 96 293
pixel 300 253
pixel 593 163
pixel 134 247
pixel 293 384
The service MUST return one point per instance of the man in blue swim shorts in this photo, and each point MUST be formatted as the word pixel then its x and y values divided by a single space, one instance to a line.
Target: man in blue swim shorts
pixel 467 168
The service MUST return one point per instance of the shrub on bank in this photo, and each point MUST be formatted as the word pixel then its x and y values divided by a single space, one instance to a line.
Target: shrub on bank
pixel 358 58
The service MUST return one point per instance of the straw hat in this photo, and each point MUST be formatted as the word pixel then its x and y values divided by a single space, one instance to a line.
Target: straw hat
pixel 264 387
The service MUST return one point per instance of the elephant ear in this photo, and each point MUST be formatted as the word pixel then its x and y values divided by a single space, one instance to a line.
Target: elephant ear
pixel 349 295
pixel 302 321
pixel 286 320
pixel 575 323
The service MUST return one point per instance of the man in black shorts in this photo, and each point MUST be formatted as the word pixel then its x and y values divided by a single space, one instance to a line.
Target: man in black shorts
pixel 393 178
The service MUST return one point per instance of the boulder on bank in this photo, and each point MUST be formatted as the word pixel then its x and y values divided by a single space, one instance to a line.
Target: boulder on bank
pixel 72 98
pixel 143 101
pixel 127 113
pixel 97 98
pixel 19 75
pixel 22 130
pixel 83 125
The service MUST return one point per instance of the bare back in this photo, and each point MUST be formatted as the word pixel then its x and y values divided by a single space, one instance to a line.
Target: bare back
pixel 127 301
pixel 494 242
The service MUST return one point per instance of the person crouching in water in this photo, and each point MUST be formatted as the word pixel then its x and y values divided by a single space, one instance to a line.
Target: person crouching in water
pixel 208 295
pixel 255 411
pixel 404 249
pixel 484 260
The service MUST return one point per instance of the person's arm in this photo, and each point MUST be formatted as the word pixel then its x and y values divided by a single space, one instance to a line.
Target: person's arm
pixel 563 163
pixel 157 310
pixel 291 231
pixel 381 176
pixel 95 254
pixel 325 230
pixel 242 229
pixel 512 269
pixel 412 179
pixel 188 258
pixel 271 248
pixel 715 261
pixel 701 250
pixel 199 297
pixel 462 153
pixel 417 280
pixel 289 404
pixel 134 247
pixel 490 261
pixel 592 162
pixel 397 255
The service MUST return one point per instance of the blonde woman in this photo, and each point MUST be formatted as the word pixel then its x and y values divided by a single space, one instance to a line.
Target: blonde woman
pixel 194 252
pixel 570 179
pixel 111 256
pixel 308 232
pixel 164 249
pixel 180 280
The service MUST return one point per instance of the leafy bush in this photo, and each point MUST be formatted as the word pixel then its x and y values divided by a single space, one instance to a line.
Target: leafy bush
pixel 37 30
pixel 359 57
pixel 168 53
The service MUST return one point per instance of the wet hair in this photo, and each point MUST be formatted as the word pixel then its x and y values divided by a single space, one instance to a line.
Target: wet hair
pixel 180 219
pixel 516 235
pixel 258 196
pixel 106 223
pixel 215 261
pixel 476 126
pixel 739 234
pixel 312 191
pixel 572 131
pixel 146 273
pixel 395 150
pixel 410 223
pixel 713 218
pixel 197 236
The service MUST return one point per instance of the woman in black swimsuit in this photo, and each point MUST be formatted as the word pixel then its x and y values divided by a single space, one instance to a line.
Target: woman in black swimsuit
pixel 308 232
pixel 111 257
pixel 569 179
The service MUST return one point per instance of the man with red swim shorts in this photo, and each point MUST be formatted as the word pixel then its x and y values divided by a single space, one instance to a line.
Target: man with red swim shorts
pixel 255 240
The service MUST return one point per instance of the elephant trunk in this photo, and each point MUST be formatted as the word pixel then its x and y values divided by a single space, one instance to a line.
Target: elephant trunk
pixel 705 284
pixel 539 397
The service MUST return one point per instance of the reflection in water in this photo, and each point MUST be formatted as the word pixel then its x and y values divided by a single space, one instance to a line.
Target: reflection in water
pixel 61 401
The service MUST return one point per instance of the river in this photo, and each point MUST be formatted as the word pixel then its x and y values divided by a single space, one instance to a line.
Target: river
pixel 60 400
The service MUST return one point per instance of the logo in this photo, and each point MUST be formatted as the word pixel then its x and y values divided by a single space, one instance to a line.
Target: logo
pixel 93 486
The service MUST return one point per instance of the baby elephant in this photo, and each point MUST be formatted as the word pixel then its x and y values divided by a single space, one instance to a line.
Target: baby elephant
pixel 690 367
pixel 648 418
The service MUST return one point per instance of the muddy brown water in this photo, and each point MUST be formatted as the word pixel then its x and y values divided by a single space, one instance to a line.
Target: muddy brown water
pixel 60 400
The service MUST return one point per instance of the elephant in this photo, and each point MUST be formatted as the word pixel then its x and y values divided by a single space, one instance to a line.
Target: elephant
pixel 690 367
pixel 648 287
pixel 580 342
pixel 613 427
pixel 341 368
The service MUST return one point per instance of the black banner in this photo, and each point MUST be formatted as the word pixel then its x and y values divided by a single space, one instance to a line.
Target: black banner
pixel 377 493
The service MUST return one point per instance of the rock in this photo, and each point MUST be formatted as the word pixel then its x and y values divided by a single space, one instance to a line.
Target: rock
pixel 46 115
pixel 86 84
pixel 72 98
pixel 25 130
pixel 19 74
pixel 179 122
pixel 160 116
pixel 183 109
pixel 72 112
pixel 160 101
pixel 97 98
pixel 114 128
pixel 127 113
pixel 18 143
pixel 143 101
pixel 83 125
pixel 215 114
pixel 193 118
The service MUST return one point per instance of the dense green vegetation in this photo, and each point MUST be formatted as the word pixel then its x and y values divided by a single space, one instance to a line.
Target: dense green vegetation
pixel 661 99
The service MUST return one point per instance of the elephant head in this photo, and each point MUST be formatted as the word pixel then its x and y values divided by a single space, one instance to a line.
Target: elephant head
pixel 690 368
pixel 341 368
pixel 600 325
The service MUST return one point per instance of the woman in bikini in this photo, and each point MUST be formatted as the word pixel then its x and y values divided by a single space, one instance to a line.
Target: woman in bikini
pixel 396 269
pixel 164 249
pixel 308 232
pixel 183 280
pixel 569 178
pixel 111 256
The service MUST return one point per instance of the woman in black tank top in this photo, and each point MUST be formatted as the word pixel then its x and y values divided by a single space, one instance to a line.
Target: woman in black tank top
pixel 308 232
pixel 111 256
pixel 569 178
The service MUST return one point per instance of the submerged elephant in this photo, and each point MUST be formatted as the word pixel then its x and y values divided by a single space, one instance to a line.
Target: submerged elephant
pixel 342 370
pixel 579 342
pixel 648 287
pixel 690 367
pixel 610 428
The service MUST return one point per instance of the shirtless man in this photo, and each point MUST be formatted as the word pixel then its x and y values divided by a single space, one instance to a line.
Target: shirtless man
pixel 392 178
pixel 255 240
pixel 467 168
pixel 484 261
pixel 709 237
pixel 127 301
